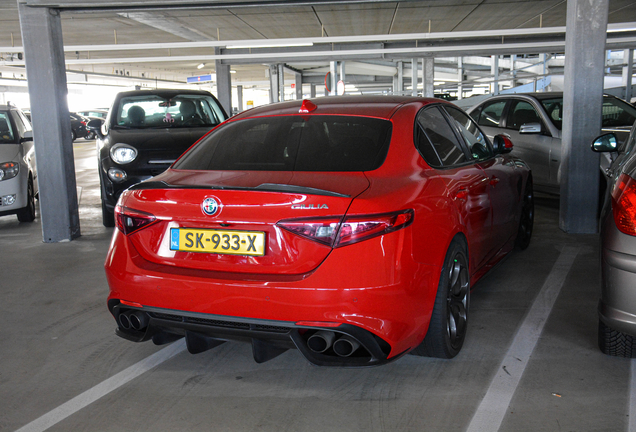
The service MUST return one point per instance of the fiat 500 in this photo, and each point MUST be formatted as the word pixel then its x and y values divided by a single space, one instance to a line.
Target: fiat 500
pixel 349 228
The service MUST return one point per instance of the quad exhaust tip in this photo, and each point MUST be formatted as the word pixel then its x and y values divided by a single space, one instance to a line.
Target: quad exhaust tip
pixel 322 340
pixel 136 320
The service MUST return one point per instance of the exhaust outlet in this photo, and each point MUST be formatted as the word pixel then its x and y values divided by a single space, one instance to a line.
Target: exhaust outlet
pixel 321 341
pixel 138 320
pixel 345 346
pixel 124 321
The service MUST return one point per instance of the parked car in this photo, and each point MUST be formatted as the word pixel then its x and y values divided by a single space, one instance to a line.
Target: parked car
pixel 78 126
pixel 617 306
pixel 18 173
pixel 144 133
pixel 350 228
pixel 93 114
pixel 533 122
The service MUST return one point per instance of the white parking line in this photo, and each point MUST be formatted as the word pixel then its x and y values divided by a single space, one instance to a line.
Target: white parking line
pixel 102 389
pixel 632 397
pixel 494 406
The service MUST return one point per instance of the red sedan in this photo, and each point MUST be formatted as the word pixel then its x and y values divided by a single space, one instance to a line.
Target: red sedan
pixel 349 228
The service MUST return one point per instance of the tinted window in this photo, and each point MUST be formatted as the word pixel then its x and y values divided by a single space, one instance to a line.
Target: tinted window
pixel 476 141
pixel 293 143
pixel 554 110
pixel 6 130
pixel 153 111
pixel 441 137
pixel 491 114
pixel 521 113
pixel 617 113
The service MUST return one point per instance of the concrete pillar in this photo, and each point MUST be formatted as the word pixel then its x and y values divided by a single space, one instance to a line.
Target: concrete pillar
pixel 239 95
pixel 313 91
pixel 281 81
pixel 274 92
pixel 44 55
pixel 428 84
pixel 223 83
pixel 586 28
pixel 299 86
pixel 628 71
pixel 333 77
pixel 400 78
pixel 460 78
pixel 494 71
pixel 342 72
pixel 513 70
pixel 414 70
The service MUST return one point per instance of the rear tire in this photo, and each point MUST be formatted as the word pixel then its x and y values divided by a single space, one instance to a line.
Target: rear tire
pixel 73 135
pixel 526 222
pixel 615 343
pixel 27 214
pixel 108 218
pixel 447 329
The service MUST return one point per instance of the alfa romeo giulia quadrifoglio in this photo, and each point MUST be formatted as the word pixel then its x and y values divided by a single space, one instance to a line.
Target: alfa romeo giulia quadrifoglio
pixel 349 228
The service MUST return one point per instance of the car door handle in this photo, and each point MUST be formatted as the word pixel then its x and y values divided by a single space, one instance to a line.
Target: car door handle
pixel 494 180
pixel 461 194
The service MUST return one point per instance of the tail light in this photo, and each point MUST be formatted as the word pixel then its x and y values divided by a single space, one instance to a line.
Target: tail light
pixel 129 221
pixel 336 232
pixel 624 204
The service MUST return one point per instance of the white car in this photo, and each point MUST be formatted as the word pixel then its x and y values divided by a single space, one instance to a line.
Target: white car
pixel 18 173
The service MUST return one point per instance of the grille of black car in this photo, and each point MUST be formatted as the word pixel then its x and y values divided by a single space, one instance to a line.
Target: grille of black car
pixel 218 323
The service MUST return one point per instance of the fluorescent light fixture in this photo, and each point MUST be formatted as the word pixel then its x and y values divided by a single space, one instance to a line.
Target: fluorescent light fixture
pixel 200 65
pixel 232 71
pixel 623 29
pixel 269 45
pixel 439 82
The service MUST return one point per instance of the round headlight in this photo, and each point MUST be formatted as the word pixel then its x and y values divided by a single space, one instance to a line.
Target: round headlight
pixel 8 170
pixel 123 153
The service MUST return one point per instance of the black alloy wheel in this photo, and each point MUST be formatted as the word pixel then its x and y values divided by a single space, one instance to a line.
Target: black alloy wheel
pixel 27 214
pixel 526 221
pixel 449 321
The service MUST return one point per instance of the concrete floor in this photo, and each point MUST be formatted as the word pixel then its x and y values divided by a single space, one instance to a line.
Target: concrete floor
pixel 57 341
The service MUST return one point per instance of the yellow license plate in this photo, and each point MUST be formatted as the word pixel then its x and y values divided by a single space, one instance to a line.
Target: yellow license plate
pixel 251 243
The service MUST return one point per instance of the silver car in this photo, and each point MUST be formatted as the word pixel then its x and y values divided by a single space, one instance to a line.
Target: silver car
pixel 533 122
pixel 617 307
pixel 18 174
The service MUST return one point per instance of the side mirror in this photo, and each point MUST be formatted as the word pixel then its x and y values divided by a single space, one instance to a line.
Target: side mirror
pixel 502 144
pixel 28 136
pixel 530 128
pixel 605 143
pixel 95 125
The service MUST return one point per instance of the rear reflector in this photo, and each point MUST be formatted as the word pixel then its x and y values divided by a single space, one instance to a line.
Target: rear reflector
pixel 128 220
pixel 624 204
pixel 332 232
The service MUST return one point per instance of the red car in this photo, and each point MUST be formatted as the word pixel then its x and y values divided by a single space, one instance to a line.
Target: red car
pixel 350 228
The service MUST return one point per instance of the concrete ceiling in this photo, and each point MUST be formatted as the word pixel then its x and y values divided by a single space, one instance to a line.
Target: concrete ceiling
pixel 121 23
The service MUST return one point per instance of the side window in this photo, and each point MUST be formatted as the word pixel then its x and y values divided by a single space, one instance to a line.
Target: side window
pixel 25 121
pixel 475 139
pixel 440 139
pixel 491 113
pixel 521 113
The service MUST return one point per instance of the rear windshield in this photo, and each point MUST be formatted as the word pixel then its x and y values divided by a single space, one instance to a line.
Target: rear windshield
pixel 180 111
pixel 293 143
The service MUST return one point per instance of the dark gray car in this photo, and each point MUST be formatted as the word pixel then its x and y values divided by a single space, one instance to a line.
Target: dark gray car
pixel 533 122
pixel 617 307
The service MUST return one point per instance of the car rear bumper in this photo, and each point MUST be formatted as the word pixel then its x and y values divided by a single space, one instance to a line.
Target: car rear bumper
pixel 389 304
pixel 617 307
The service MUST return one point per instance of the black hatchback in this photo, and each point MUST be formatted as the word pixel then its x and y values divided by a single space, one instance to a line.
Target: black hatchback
pixel 144 133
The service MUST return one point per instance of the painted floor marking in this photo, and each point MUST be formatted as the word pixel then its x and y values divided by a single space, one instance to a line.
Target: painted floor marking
pixel 102 389
pixel 632 397
pixel 495 403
